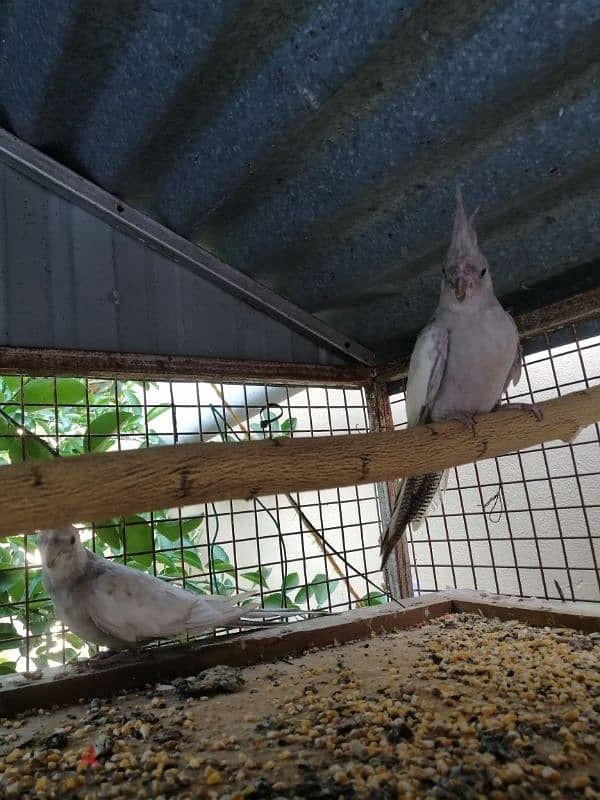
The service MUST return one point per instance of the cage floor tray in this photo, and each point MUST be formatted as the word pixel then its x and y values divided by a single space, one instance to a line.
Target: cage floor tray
pixel 463 706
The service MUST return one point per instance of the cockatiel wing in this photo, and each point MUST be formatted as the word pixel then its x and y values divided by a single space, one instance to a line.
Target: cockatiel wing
pixel 427 365
pixel 514 376
pixel 133 607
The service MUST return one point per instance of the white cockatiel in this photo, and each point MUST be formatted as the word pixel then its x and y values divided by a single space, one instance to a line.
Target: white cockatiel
pixel 119 607
pixel 462 363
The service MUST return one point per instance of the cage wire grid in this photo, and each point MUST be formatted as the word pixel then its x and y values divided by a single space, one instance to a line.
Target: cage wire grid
pixel 527 523
pixel 274 545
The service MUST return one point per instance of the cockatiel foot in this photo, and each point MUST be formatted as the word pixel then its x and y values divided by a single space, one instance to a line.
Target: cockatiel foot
pixel 466 419
pixel 103 658
pixel 531 407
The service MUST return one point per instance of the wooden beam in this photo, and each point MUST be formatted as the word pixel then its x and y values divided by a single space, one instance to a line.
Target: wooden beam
pixel 577 308
pixel 92 487
pixel 138 366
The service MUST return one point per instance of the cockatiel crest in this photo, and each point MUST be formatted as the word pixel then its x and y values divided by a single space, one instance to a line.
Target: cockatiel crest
pixel 463 246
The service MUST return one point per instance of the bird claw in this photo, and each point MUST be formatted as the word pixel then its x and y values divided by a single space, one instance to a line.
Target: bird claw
pixel 531 407
pixel 466 419
pixel 104 657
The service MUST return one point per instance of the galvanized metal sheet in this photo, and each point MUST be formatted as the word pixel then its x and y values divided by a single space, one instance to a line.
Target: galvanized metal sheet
pixel 69 279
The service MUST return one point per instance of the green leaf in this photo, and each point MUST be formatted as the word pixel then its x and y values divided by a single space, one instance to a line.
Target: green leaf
pixel 167 560
pixel 192 558
pixel 107 533
pixel 225 586
pixel 103 428
pixel 16 444
pixel 372 599
pixel 302 596
pixel 277 600
pixel 40 621
pixel 139 540
pixel 8 631
pixel 289 425
pixel 155 412
pixel 36 584
pixel 7 667
pixel 292 580
pixel 9 385
pixel 259 577
pixel 40 391
pixel 197 588
pixel 137 563
pixel 13 582
pixel 17 549
pixel 74 640
pixel 318 588
pixel 170 527
pixel 222 566
pixel 70 391
pixel 34 450
pixel 217 552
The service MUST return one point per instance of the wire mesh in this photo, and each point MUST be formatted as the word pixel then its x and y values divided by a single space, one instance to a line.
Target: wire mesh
pixel 309 550
pixel 526 523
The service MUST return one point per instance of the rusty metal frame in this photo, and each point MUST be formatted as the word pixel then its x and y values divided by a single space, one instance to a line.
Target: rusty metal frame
pixel 48 362
pixel 62 686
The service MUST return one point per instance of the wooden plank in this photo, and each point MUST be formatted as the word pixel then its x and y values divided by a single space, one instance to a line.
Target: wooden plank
pixel 60 686
pixel 578 307
pixel 539 613
pixel 139 366
pixel 93 487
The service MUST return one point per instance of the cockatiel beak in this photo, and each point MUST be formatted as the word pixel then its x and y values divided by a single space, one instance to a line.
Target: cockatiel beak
pixel 461 280
pixel 460 287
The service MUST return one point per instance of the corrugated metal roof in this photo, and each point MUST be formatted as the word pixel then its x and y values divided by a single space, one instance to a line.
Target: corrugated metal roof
pixel 315 146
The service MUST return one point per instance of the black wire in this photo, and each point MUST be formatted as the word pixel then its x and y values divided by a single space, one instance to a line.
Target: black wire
pixel 315 530
pixel 29 434
pixel 284 558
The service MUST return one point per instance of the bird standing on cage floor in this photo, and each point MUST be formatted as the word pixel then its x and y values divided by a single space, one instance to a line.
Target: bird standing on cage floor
pixel 462 363
pixel 121 608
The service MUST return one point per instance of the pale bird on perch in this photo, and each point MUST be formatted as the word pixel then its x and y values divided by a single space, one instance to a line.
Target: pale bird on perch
pixel 462 363
pixel 121 608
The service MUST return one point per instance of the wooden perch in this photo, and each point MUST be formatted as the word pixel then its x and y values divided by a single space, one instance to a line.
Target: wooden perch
pixel 94 487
